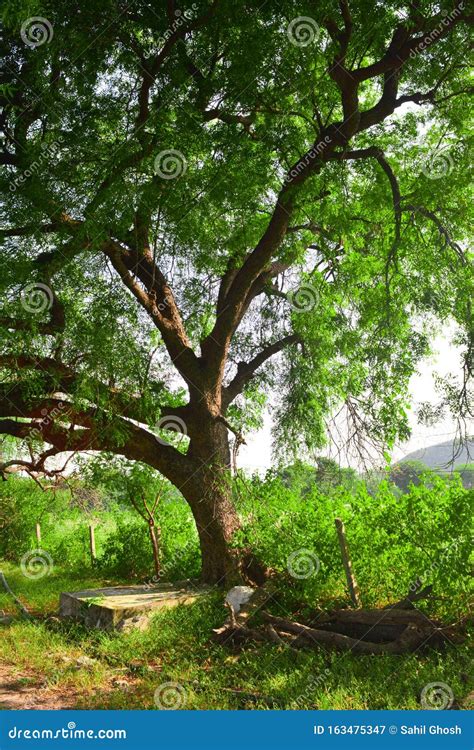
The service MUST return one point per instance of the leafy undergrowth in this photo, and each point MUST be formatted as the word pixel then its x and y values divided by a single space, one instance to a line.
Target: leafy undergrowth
pixel 127 669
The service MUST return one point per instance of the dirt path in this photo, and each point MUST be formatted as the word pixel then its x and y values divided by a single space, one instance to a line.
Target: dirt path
pixel 23 691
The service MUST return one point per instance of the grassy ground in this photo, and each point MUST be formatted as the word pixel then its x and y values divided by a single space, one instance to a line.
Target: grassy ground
pixel 128 668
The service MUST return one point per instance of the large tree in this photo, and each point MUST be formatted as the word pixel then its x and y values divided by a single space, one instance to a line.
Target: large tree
pixel 209 203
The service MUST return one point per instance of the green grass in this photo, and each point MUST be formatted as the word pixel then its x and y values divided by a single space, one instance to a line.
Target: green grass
pixel 177 648
pixel 42 595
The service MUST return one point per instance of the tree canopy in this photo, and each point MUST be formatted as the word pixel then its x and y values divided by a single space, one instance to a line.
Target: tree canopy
pixel 209 203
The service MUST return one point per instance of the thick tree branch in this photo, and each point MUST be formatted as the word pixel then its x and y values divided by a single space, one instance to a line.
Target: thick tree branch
pixel 156 297
pixel 247 370
pixel 61 378
pixel 135 444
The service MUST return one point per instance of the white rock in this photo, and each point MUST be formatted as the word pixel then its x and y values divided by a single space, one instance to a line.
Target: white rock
pixel 238 596
pixel 86 662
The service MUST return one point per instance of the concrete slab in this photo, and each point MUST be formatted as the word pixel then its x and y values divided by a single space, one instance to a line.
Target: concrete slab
pixel 125 607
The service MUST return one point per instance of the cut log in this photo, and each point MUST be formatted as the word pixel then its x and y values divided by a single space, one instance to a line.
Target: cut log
pixel 393 630
pixel 375 616
pixel 377 626
pixel 273 635
pixel 412 637
pixel 411 597
pixel 379 633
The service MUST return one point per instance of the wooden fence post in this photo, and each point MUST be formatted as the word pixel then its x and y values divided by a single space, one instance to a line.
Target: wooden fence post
pixel 350 577
pixel 92 542
pixel 38 533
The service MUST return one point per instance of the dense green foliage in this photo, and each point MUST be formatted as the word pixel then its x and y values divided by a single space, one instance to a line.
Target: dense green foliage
pixel 399 543
pixel 23 504
pixel 326 475
pixel 123 545
pixel 240 101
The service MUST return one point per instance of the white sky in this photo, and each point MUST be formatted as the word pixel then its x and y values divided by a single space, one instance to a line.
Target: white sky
pixel 256 455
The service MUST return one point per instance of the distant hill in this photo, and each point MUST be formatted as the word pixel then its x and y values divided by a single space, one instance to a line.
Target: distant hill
pixel 440 456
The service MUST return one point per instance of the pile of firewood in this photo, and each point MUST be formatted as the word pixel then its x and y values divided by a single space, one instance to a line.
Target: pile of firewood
pixel 397 629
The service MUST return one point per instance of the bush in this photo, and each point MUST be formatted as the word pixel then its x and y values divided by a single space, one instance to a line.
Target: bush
pixel 397 544
pixel 122 539
pixel 22 505
pixel 127 550
pixel 64 533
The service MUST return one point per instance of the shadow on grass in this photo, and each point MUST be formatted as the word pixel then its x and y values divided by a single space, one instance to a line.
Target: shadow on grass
pixel 127 668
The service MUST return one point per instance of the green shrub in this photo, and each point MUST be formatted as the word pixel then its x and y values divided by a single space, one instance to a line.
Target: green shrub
pixel 398 543
pixel 23 504
pixel 127 550
pixel 64 527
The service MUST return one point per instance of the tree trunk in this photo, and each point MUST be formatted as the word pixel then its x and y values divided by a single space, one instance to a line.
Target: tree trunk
pixel 203 477
pixel 208 493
